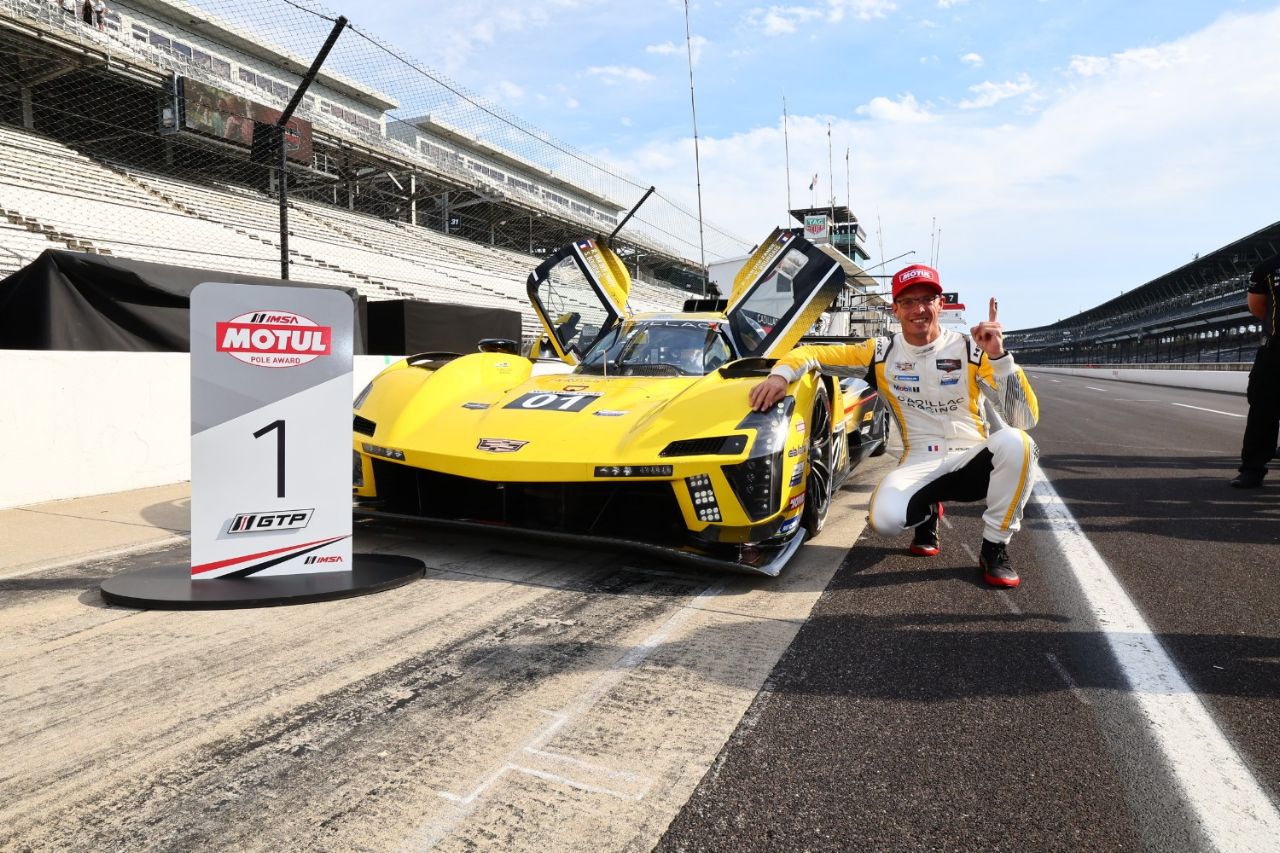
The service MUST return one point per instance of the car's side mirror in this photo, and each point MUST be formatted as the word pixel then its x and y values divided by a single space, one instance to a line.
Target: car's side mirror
pixel 499 345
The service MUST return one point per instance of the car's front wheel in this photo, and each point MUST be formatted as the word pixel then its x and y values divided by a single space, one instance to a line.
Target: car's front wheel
pixel 817 486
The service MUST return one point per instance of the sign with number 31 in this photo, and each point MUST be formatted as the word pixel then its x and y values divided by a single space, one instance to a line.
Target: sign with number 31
pixel 271 374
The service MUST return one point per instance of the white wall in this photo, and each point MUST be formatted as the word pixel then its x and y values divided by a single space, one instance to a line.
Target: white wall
pixel 1233 381
pixel 74 424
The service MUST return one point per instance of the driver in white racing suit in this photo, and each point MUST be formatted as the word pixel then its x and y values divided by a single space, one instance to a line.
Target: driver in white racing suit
pixel 935 382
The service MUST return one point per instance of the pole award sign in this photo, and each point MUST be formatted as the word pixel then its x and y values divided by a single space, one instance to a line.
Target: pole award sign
pixel 271 388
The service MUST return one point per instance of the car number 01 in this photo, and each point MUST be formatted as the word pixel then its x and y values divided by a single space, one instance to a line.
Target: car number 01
pixel 552 401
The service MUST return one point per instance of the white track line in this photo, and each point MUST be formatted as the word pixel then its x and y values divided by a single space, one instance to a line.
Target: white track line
pixel 1095 388
pixel 1202 409
pixel 1230 806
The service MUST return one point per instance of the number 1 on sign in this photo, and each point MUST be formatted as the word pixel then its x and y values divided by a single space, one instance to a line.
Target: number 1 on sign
pixel 279 427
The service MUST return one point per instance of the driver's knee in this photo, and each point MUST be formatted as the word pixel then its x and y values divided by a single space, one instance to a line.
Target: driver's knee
pixel 1010 446
pixel 888 511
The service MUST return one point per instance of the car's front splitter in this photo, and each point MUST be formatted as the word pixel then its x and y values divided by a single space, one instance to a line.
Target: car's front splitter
pixel 770 562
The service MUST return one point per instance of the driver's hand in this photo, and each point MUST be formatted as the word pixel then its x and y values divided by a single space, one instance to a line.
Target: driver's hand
pixel 766 395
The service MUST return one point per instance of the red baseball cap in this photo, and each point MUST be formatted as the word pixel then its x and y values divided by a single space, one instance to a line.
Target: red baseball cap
pixel 913 275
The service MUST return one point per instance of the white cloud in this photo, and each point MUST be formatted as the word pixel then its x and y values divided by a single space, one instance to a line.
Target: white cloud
pixel 947 4
pixel 572 103
pixel 510 91
pixel 784 20
pixel 611 74
pixel 667 48
pixel 905 110
pixel 1130 60
pixel 972 59
pixel 625 121
pixel 988 94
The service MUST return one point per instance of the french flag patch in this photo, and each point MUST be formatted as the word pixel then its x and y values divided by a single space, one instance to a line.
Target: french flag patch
pixel 932 447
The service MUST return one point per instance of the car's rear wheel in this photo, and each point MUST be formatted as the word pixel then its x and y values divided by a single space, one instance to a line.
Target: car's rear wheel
pixel 817 485
pixel 880 430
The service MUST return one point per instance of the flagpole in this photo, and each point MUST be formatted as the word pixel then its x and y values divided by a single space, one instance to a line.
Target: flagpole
pixel 697 162
pixel 848 195
pixel 786 147
pixel 831 177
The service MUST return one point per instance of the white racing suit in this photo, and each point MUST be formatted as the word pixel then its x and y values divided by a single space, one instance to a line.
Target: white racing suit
pixel 950 452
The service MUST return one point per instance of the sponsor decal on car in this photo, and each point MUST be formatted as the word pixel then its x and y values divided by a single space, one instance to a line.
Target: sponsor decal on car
pixel 797 475
pixel 260 522
pixel 554 401
pixel 273 339
pixel 326 558
pixel 789 525
pixel 948 365
pixel 500 445
pixel 611 413
pixel 796 501
pixel 476 405
pixel 797 451
pixel 799 426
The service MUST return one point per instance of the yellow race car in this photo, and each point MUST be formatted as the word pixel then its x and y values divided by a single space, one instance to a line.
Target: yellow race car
pixel 638 433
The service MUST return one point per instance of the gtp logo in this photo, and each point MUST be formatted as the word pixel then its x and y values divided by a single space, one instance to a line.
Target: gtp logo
pixel 273 339
pixel 261 522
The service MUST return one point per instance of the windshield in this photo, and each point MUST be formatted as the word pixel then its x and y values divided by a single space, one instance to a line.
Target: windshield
pixel 658 348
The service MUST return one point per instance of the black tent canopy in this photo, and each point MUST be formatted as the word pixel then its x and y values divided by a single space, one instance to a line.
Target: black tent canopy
pixel 76 301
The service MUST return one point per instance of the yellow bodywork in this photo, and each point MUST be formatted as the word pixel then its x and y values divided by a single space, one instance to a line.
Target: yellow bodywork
pixel 423 413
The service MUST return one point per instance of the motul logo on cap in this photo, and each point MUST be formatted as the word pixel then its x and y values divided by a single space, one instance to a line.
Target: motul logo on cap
pixel 914 274
pixel 273 339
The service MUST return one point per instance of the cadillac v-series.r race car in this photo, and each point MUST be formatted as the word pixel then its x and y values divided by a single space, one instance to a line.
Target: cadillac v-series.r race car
pixel 642 435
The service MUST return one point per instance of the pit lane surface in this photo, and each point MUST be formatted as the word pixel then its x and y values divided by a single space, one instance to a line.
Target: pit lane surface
pixel 919 710
pixel 521 697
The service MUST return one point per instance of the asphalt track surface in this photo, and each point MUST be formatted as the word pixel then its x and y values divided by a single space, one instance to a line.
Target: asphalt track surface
pixel 537 698
pixel 918 710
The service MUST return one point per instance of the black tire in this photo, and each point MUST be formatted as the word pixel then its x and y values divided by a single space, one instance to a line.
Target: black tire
pixel 818 482
pixel 880 431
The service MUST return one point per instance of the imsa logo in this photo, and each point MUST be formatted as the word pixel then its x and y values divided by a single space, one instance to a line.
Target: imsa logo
pixel 261 522
pixel 273 339
pixel 333 558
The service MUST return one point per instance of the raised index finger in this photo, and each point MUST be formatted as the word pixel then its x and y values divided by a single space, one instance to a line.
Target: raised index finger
pixel 993 307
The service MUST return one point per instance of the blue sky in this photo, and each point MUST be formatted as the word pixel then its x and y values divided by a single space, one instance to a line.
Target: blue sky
pixel 1051 153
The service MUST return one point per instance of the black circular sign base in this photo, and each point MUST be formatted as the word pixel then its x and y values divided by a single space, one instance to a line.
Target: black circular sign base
pixel 171 587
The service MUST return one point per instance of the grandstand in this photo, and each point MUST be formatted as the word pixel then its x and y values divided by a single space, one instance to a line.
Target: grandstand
pixel 143 139
pixel 1194 314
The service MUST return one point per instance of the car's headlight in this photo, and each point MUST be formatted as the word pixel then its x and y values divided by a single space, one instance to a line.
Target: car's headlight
pixel 758 481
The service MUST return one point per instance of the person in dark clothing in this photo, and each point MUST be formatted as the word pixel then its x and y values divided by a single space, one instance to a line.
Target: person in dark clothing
pixel 1262 427
pixel 86 12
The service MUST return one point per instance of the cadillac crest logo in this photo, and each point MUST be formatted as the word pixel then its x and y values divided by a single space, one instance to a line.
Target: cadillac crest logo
pixel 500 445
